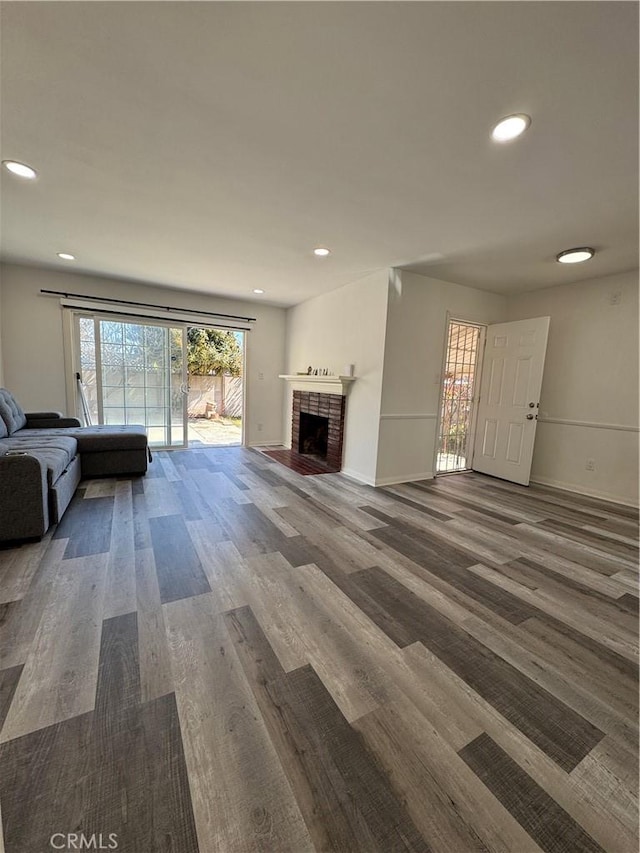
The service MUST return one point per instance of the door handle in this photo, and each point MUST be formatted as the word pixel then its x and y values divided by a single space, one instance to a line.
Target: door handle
pixel 530 417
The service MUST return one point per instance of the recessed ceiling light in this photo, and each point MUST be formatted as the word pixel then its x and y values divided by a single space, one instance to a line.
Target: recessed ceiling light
pixel 258 290
pixel 510 127
pixel 575 256
pixel 66 256
pixel 20 169
pixel 321 252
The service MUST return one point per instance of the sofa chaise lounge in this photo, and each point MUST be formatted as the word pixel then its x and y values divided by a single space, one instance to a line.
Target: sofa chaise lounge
pixel 43 456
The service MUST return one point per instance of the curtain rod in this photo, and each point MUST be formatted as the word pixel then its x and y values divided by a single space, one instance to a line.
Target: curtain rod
pixel 112 313
pixel 147 305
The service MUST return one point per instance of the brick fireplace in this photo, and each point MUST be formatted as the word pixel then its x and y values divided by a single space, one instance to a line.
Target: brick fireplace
pixel 317 427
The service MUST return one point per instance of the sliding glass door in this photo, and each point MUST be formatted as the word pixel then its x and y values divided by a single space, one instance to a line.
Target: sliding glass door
pixel 135 373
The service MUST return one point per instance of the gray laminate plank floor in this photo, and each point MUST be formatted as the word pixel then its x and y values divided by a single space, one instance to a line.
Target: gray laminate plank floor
pixel 228 657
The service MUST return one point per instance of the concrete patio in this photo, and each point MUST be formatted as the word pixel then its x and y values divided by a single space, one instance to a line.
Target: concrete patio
pixel 227 431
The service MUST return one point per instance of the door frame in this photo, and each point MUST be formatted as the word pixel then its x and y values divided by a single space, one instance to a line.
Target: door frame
pixel 71 333
pixel 449 319
pixel 245 385
pixel 243 417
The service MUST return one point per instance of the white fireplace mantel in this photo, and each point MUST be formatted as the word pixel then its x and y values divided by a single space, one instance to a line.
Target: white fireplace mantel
pixel 319 384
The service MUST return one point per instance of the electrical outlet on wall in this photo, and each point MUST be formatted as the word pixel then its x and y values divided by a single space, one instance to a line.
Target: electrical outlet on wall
pixel 260 375
pixel 590 465
pixel 259 427
pixel 615 298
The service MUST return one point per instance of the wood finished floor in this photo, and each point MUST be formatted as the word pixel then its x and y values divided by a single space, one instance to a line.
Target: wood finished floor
pixel 229 656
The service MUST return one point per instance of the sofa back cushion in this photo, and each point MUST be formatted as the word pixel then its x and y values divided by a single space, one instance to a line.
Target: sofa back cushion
pixel 11 412
pixel 4 432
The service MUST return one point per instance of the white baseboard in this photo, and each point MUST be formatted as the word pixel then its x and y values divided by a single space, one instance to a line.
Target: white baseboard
pixel 581 490
pixel 359 478
pixel 386 481
pixel 394 481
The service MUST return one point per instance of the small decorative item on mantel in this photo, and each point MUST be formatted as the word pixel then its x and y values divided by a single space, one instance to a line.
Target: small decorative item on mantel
pixel 318 371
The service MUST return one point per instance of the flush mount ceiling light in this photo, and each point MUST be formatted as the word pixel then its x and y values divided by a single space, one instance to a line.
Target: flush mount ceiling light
pixel 575 256
pixel 510 127
pixel 66 256
pixel 321 251
pixel 20 169
pixel 258 290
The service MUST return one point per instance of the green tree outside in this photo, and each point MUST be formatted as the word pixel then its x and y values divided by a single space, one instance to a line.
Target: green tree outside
pixel 213 351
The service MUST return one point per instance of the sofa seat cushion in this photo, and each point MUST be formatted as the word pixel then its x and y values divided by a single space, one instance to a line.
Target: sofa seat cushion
pixel 56 452
pixel 104 437
pixel 96 439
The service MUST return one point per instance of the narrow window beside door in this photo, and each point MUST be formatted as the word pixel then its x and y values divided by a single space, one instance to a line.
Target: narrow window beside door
pixel 457 396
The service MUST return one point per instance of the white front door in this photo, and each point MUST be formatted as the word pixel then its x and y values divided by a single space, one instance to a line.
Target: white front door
pixel 509 398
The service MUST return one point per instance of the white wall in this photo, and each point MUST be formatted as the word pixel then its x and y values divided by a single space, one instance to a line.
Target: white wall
pixel 414 349
pixel 345 326
pixel 590 379
pixel 32 340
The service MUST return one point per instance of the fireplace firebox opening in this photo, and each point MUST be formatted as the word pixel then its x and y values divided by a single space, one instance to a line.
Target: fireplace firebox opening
pixel 317 428
pixel 314 435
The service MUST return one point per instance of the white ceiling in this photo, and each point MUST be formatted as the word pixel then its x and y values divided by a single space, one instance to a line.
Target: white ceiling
pixel 211 145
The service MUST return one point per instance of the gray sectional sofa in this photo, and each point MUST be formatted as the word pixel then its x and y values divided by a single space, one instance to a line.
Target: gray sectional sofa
pixel 43 456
